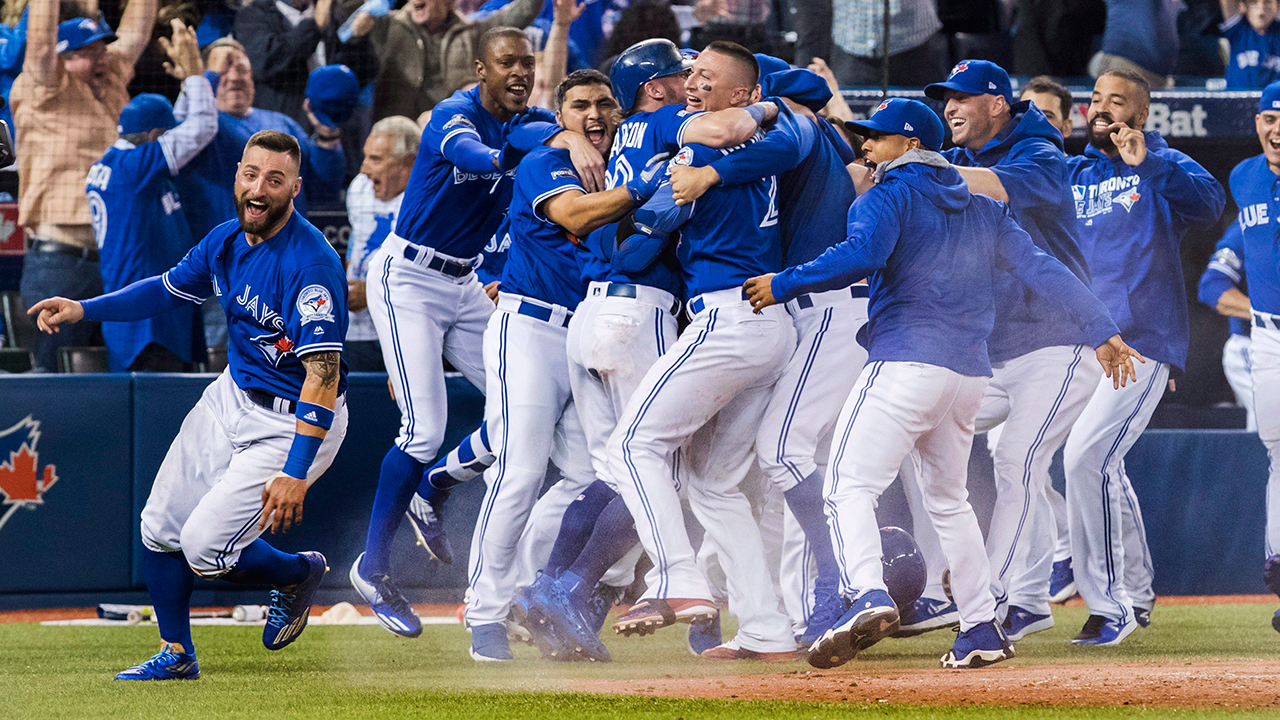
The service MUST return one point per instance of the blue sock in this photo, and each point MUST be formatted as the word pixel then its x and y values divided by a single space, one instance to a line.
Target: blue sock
pixel 466 462
pixel 169 582
pixel 575 528
pixel 400 477
pixel 805 501
pixel 261 564
pixel 614 535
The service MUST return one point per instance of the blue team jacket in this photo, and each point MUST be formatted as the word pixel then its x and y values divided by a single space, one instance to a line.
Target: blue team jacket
pixel 1131 221
pixel 931 251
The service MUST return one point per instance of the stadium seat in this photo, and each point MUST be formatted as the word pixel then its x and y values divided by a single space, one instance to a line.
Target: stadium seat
pixel 19 327
pixel 82 360
pixel 14 360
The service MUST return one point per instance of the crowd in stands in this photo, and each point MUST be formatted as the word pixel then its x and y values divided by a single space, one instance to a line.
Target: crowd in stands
pixel 331 71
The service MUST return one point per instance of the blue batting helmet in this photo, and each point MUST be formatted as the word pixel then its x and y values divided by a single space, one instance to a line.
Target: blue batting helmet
pixel 641 63
pixel 904 569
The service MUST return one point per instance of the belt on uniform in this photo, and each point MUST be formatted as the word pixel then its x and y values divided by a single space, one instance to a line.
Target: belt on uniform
pixel 629 290
pixel 437 263
pixel 266 400
pixel 1266 320
pixel 538 312
pixel 54 246
pixel 697 305
pixel 804 302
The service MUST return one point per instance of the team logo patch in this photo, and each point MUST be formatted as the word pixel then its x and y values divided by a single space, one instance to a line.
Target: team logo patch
pixel 563 173
pixel 315 303
pixel 882 106
pixel 958 69
pixel 684 157
pixel 459 121
pixel 23 482
pixel 1128 199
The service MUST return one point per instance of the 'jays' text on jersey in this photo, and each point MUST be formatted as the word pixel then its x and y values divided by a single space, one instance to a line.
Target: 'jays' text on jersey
pixel 141 232
pixel 1256 190
pixel 1254 60
pixel 494 253
pixel 1226 271
pixel 1026 155
pixel 371 222
pixel 542 262
pixel 1130 222
pixel 448 208
pixel 284 298
pixel 728 236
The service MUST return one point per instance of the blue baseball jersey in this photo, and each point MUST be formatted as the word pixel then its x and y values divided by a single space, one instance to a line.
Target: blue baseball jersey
pixel 284 298
pixel 205 182
pixel 1130 222
pixel 495 253
pixel 1226 271
pixel 728 236
pixel 141 232
pixel 453 210
pixel 643 135
pixel 1256 190
pixel 542 262
pixel 1254 59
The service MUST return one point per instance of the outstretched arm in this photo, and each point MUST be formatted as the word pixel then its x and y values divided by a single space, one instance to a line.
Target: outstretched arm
pixel 41 59
pixel 141 300
pixel 135 30
pixel 728 127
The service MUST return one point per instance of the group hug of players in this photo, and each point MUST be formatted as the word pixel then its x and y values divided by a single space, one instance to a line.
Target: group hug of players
pixel 740 316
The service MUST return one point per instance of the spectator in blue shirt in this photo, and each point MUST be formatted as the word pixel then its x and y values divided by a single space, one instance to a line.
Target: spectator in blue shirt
pixel 1253 33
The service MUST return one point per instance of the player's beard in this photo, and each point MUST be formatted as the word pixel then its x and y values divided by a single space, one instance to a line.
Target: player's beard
pixel 269 219
pixel 1100 140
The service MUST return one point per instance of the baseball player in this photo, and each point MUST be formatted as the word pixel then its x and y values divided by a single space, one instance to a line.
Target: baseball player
pixel 527 371
pixel 373 200
pixel 932 250
pixel 137 213
pixel 265 429
pixel 814 197
pixel 1041 379
pixel 716 378
pixel 1135 199
pixel 422 293
pixel 1223 287
pixel 1255 189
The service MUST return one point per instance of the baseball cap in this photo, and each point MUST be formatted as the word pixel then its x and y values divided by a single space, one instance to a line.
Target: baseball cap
pixel 770 65
pixel 976 77
pixel 145 113
pixel 75 34
pixel 900 116
pixel 1270 99
pixel 333 91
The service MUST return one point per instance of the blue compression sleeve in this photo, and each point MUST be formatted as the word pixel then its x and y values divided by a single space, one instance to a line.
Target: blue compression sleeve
pixel 782 148
pixel 661 213
pixel 141 300
pixel 468 154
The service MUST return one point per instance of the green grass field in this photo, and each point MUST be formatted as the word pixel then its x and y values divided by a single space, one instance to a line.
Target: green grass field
pixel 364 672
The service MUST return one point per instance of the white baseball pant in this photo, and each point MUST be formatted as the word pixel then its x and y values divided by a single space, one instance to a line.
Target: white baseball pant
pixel 1057 504
pixel 1108 542
pixel 715 380
pixel 935 562
pixel 527 400
pixel 1266 392
pixel 207 496
pixel 895 407
pixel 420 315
pixel 1237 366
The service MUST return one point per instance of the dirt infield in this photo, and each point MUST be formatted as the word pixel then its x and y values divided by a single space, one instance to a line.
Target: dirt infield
pixel 1226 684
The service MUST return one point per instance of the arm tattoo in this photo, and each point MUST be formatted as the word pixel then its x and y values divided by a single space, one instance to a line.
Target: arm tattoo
pixel 324 366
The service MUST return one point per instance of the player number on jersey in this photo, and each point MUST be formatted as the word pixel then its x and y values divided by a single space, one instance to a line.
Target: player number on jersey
pixel 771 215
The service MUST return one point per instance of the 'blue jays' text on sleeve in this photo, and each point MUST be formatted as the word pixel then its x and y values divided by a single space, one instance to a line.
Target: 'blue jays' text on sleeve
pixel 782 148
pixel 873 232
pixel 192 278
pixel 317 318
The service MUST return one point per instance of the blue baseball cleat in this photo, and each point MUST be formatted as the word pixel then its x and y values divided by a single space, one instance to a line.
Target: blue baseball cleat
pixel 390 607
pixel 979 646
pixel 1020 622
pixel 1104 631
pixel 603 598
pixel 704 635
pixel 828 606
pixel 927 614
pixel 428 527
pixel 290 607
pixel 1142 616
pixel 871 617
pixel 489 643
pixel 541 632
pixel 168 664
pixel 1062 582
pixel 550 602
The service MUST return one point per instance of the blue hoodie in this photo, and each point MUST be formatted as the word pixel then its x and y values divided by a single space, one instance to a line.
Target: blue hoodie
pixel 933 251
pixel 1131 221
pixel 1027 157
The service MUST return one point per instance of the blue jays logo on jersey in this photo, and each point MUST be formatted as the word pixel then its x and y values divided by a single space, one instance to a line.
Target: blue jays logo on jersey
pixel 1101 198
pixel 684 157
pixel 1127 200
pixel 272 343
pixel 23 482
pixel 315 303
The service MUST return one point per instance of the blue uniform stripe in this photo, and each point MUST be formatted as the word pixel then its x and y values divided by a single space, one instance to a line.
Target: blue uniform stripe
pixel 661 560
pixel 835 471
pixel 409 415
pixel 785 432
pixel 1026 465
pixel 220 560
pixel 504 408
